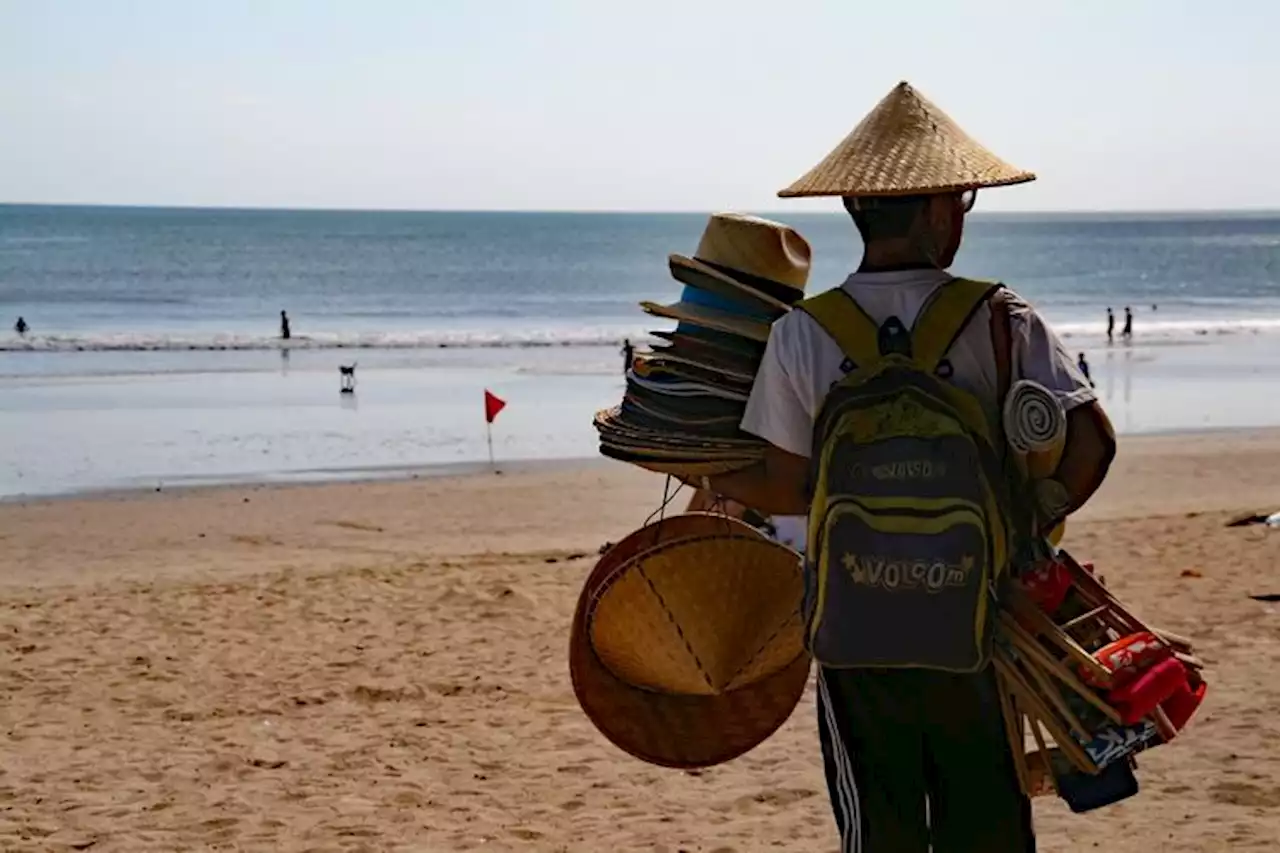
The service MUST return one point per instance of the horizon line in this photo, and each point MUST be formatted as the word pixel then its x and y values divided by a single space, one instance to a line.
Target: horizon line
pixel 1136 211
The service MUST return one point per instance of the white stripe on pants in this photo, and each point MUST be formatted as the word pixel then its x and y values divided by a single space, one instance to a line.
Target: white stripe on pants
pixel 846 793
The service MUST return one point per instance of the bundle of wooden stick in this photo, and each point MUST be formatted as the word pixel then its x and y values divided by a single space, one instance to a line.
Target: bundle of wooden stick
pixel 1078 670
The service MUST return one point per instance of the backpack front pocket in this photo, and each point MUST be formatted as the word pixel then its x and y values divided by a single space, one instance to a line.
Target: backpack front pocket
pixel 901 583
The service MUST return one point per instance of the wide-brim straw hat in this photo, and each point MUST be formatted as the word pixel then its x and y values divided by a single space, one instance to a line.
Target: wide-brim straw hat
pixel 679 466
pixel 652 377
pixel 720 321
pixel 693 370
pixel 664 422
pixel 746 256
pixel 687 644
pixel 619 429
pixel 683 409
pixel 732 349
pixel 676 361
pixel 667 417
pixel 906 146
pixel 678 452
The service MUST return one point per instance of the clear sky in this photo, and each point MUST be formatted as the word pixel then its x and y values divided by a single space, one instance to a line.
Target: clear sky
pixel 612 105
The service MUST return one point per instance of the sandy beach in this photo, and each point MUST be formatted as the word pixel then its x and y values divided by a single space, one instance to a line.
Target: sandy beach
pixel 382 666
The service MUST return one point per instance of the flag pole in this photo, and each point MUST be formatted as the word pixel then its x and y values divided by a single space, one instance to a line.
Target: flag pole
pixel 492 405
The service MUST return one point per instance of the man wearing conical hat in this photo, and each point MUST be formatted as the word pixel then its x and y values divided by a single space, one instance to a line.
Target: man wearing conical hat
pixel 914 758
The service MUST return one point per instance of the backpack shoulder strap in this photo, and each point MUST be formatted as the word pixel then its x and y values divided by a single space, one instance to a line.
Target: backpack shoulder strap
pixel 844 320
pixel 945 316
pixel 1002 341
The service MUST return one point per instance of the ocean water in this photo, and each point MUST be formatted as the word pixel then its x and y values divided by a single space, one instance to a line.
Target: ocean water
pixel 153 355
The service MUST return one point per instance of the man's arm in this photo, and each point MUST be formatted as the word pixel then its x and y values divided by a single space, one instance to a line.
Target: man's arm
pixel 1087 457
pixel 777 485
pixel 1039 355
pixel 780 412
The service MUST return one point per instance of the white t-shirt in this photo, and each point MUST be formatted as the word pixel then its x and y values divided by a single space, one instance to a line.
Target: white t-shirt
pixel 801 361
pixel 791 530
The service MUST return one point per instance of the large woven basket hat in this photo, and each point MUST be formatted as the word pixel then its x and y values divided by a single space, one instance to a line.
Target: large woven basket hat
pixel 687 646
pixel 906 146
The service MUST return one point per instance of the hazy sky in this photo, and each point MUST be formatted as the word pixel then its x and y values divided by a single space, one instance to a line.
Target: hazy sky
pixel 611 105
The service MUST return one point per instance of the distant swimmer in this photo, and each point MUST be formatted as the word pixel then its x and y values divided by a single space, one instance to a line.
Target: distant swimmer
pixel 628 354
pixel 21 326
pixel 1127 331
pixel 1083 364
pixel 1111 325
pixel 284 326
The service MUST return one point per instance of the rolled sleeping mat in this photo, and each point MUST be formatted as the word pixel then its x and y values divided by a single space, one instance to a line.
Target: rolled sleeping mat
pixel 1035 425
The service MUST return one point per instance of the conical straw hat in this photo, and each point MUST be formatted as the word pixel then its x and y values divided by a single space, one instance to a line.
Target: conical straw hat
pixel 906 146
pixel 687 646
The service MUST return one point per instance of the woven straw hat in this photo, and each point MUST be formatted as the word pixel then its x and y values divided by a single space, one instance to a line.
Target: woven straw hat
pixel 687 466
pixel 689 338
pixel 676 360
pixel 711 318
pixel 906 146
pixel 691 369
pixel 687 644
pixel 619 430
pixel 742 255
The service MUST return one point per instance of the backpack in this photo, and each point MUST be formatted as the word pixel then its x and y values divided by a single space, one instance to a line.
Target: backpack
pixel 910 528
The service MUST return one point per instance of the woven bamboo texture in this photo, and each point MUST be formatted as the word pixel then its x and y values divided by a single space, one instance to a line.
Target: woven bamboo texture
pixel 687 648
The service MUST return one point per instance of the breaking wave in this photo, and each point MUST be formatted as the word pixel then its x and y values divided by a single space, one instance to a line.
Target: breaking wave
pixel 1147 331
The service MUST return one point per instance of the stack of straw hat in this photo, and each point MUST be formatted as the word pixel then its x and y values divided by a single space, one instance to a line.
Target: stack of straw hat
pixel 685 397
pixel 687 647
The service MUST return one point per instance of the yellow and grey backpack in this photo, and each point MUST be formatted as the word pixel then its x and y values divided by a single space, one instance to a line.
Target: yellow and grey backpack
pixel 909 531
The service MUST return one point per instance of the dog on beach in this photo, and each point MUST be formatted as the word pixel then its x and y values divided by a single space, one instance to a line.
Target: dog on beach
pixel 347 375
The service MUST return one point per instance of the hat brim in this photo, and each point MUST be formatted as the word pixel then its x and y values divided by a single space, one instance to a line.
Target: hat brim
pixel 695 273
pixel 695 371
pixel 716 320
pixel 618 418
pixel 687 408
pixel 657 379
pixel 680 468
pixel 668 729
pixel 697 341
pixel 677 362
pixel 660 421
pixel 906 190
pixel 680 453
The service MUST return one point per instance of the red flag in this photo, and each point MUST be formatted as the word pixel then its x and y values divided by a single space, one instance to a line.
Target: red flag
pixel 492 405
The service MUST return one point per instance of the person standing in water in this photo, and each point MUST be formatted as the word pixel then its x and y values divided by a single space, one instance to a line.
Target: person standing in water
pixel 628 354
pixel 284 326
pixel 1111 325
pixel 21 326
pixel 1127 332
pixel 1084 368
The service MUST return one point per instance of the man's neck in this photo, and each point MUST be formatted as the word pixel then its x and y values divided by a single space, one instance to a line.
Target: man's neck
pixel 894 265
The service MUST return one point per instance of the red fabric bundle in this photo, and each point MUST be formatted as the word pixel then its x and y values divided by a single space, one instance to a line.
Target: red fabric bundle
pixel 1180 707
pixel 1145 693
pixel 1047 585
pixel 1127 657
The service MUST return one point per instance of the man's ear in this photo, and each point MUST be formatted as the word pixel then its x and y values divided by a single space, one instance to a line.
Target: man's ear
pixel 940 212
